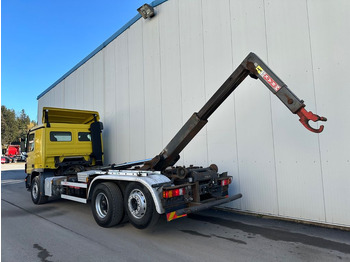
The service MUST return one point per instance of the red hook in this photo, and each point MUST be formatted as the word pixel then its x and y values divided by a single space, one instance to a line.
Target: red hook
pixel 306 116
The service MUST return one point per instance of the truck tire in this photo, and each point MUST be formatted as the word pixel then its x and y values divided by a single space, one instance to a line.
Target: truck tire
pixel 36 192
pixel 139 206
pixel 107 204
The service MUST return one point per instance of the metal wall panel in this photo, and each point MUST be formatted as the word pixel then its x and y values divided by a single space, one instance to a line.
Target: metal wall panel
pixel 59 95
pixel 296 150
pixel 136 90
pixel 330 59
pixel 152 87
pixel 110 134
pixel 88 85
pixel 149 80
pixel 99 82
pixel 121 124
pixel 255 145
pixel 192 76
pixel 70 91
pixel 79 87
pixel 218 67
pixel 170 71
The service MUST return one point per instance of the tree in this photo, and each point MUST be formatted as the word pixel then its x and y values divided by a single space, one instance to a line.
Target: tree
pixel 23 121
pixel 14 128
pixel 9 125
pixel 31 124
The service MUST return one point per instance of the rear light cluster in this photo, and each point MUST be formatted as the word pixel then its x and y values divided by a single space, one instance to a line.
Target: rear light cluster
pixel 226 182
pixel 174 192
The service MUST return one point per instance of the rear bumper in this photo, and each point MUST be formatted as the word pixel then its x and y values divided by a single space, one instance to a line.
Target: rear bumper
pixel 193 209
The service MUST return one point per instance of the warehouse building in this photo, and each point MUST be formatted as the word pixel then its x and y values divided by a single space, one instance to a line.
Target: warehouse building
pixel 151 75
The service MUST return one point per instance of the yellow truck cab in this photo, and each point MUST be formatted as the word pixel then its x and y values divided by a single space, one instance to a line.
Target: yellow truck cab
pixel 68 140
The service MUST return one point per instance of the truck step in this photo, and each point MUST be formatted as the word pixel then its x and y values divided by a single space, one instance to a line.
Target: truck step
pixel 73 198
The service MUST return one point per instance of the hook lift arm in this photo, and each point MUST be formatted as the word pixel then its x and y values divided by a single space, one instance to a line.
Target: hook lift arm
pixel 253 66
pixel 258 69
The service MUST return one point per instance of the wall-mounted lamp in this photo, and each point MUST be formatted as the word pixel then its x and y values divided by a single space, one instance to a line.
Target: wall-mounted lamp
pixel 146 11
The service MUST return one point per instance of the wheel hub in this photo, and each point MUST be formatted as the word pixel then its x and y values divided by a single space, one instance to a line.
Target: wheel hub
pixel 101 205
pixel 35 190
pixel 137 203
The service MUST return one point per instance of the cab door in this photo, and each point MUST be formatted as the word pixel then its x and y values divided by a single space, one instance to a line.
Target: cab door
pixel 30 153
pixel 35 151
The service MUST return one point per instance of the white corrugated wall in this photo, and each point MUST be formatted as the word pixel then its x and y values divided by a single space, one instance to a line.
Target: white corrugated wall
pixel 149 80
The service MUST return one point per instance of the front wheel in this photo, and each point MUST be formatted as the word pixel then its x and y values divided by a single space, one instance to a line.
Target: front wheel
pixel 37 192
pixel 139 206
pixel 107 204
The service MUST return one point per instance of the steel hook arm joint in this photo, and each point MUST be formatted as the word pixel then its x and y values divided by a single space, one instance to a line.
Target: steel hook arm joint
pixel 306 116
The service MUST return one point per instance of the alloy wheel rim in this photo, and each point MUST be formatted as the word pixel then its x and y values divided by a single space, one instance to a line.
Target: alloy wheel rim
pixel 35 190
pixel 137 203
pixel 101 205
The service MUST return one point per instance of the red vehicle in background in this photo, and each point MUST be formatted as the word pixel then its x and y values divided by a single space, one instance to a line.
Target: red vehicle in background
pixel 13 151
pixel 6 159
pixel 13 154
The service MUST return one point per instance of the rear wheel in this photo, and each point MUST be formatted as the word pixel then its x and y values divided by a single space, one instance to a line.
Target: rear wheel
pixel 37 192
pixel 139 206
pixel 107 204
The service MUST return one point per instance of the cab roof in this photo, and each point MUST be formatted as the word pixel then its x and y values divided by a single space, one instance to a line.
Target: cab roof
pixel 68 116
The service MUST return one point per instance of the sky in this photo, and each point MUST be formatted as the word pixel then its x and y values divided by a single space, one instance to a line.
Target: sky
pixel 41 40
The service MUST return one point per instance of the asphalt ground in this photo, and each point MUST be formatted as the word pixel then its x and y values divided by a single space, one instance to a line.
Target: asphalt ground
pixel 62 230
